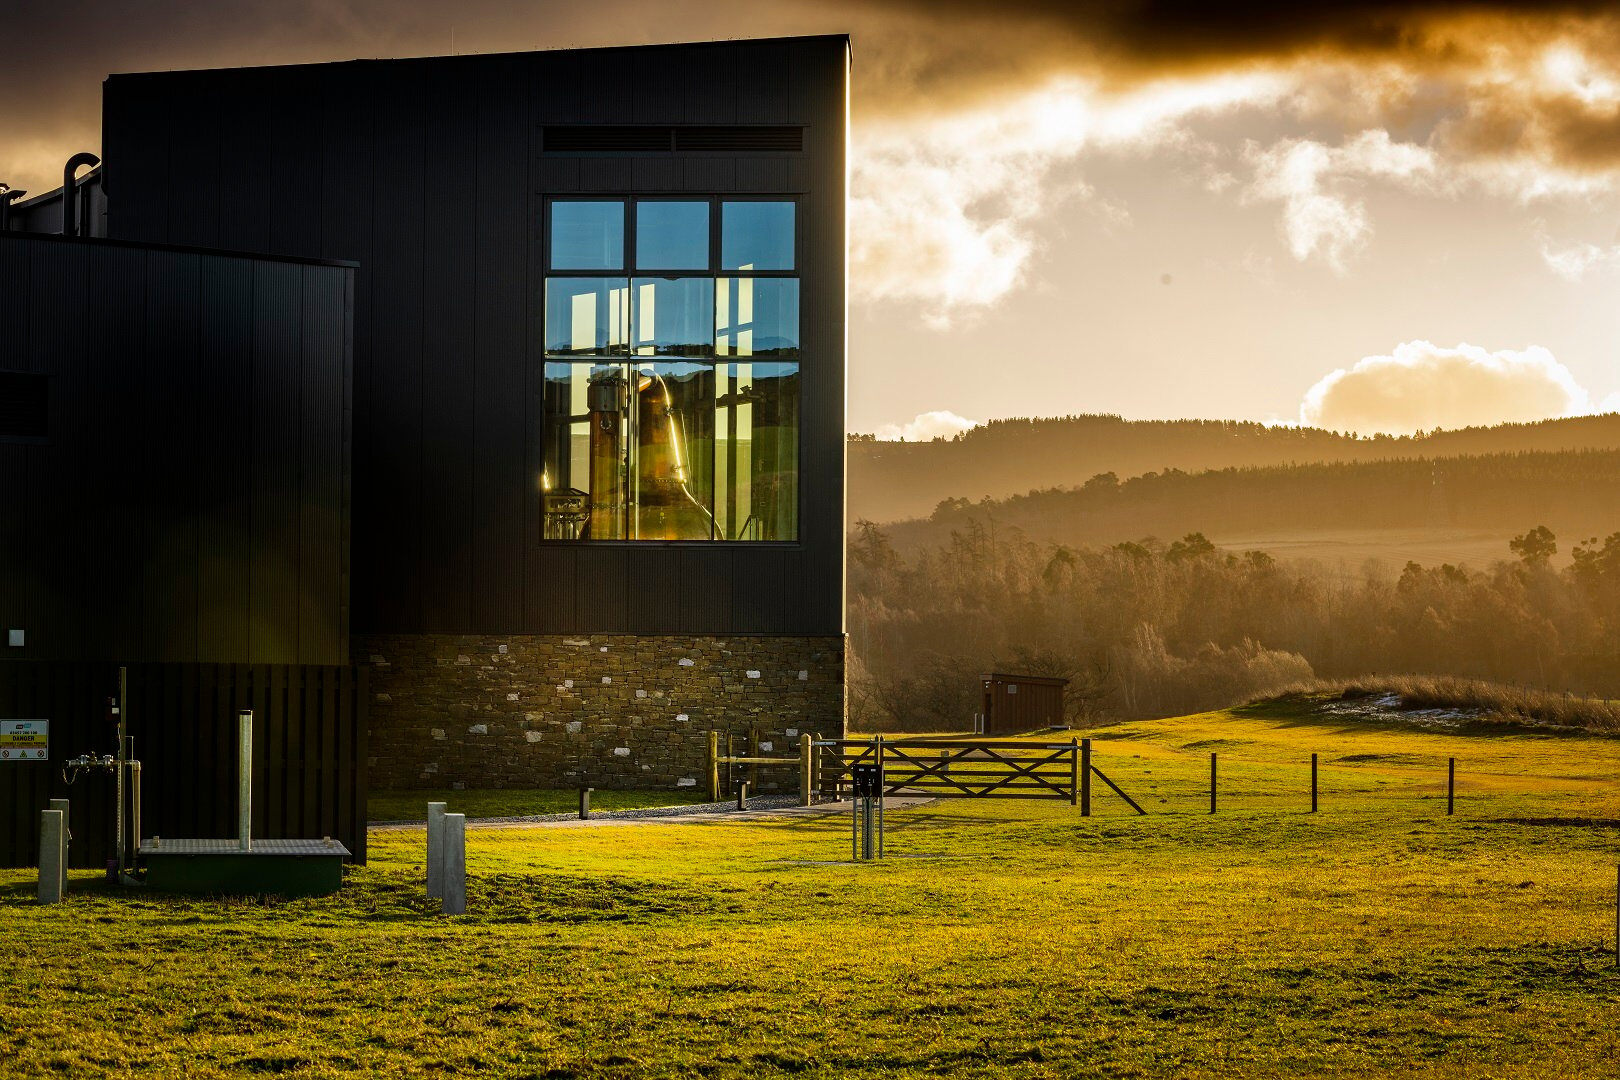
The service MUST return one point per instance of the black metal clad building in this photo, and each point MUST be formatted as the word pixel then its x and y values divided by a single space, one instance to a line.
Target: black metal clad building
pixel 174 454
pixel 433 175
pixel 503 655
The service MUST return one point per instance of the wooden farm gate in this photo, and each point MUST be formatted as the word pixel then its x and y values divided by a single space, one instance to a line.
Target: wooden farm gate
pixel 967 768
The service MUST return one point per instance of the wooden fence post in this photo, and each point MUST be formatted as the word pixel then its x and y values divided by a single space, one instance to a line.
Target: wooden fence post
pixel 1313 783
pixel 807 757
pixel 1212 781
pixel 1085 777
pixel 1074 772
pixel 714 766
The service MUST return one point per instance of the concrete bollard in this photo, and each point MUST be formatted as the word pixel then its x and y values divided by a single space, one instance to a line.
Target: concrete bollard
pixel 585 803
pixel 455 864
pixel 52 853
pixel 67 838
pixel 435 851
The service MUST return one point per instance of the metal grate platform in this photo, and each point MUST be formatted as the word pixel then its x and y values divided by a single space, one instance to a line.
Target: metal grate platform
pixel 166 846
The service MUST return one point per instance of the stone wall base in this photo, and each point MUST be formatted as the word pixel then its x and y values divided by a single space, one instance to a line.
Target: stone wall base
pixel 614 711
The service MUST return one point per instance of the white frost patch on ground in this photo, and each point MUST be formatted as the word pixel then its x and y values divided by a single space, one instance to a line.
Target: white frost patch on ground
pixel 1387 707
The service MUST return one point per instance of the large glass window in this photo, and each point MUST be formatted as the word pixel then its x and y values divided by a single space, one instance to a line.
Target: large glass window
pixel 672 235
pixel 756 235
pixel 587 235
pixel 671 399
pixel 672 316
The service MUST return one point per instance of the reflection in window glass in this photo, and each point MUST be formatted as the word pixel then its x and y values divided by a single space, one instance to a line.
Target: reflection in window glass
pixel 756 236
pixel 756 317
pixel 672 235
pixel 672 316
pixel 587 235
pixel 671 452
pixel 586 316
pixel 756 451
pixel 584 432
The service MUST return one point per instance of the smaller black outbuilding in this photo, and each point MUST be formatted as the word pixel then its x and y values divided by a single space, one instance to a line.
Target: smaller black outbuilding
pixel 1015 703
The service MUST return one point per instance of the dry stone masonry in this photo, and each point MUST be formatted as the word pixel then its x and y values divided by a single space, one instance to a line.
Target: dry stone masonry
pixel 606 711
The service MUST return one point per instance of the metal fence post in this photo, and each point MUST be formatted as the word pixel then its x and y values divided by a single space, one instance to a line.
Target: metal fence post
pixel 455 864
pixel 807 757
pixel 1085 777
pixel 51 837
pixel 1313 783
pixel 435 851
pixel 1451 784
pixel 714 766
pixel 1212 782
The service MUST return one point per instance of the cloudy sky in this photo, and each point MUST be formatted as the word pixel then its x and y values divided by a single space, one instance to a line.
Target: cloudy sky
pixel 1367 216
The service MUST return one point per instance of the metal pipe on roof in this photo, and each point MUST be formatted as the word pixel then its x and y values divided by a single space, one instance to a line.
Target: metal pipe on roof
pixel 69 189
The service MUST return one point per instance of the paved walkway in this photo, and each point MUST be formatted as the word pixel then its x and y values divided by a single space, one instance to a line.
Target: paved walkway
pixel 706 815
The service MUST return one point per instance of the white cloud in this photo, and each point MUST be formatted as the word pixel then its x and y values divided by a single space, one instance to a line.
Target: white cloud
pixel 1423 386
pixel 1318 185
pixel 945 211
pixel 1574 262
pixel 940 424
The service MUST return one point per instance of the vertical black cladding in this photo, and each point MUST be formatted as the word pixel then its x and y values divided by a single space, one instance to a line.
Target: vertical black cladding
pixel 431 174
pixel 189 501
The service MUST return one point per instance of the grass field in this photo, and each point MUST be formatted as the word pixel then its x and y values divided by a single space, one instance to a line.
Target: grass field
pixel 515 802
pixel 1003 939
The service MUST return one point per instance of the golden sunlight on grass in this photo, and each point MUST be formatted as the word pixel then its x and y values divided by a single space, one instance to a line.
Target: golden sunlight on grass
pixel 1016 939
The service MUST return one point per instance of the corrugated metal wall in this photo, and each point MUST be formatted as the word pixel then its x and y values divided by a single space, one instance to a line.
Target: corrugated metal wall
pixel 309 752
pixel 190 503
pixel 429 174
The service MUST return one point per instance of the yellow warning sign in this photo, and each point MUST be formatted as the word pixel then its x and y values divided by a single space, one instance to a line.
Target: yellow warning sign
pixel 25 740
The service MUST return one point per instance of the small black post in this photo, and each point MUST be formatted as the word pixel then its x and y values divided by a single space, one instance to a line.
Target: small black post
pixel 742 795
pixel 1313 783
pixel 1212 781
pixel 1451 785
pixel 1085 777
pixel 1617 916
pixel 585 803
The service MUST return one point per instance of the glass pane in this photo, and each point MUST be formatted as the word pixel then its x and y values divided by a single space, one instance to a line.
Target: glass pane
pixel 757 317
pixel 582 482
pixel 587 235
pixel 672 453
pixel 756 236
pixel 672 235
pixel 672 316
pixel 756 452
pixel 586 316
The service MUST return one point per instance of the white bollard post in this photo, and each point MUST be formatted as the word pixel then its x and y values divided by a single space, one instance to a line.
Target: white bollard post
pixel 67 838
pixel 455 864
pixel 435 851
pixel 51 851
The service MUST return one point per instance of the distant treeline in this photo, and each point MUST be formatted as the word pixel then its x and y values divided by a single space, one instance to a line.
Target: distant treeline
pixel 893 481
pixel 1152 628
pixel 1574 491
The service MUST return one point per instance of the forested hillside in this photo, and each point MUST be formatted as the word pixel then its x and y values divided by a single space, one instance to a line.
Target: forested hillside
pixel 891 481
pixel 1576 493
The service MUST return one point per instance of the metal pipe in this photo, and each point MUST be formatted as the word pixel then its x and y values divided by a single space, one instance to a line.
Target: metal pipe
pixel 7 197
pixel 244 767
pixel 135 798
pixel 70 203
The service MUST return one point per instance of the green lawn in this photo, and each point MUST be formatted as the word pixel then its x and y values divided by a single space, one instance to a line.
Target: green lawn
pixel 515 802
pixel 1004 939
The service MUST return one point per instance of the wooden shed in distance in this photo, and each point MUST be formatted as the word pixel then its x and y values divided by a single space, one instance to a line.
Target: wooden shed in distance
pixel 1015 703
